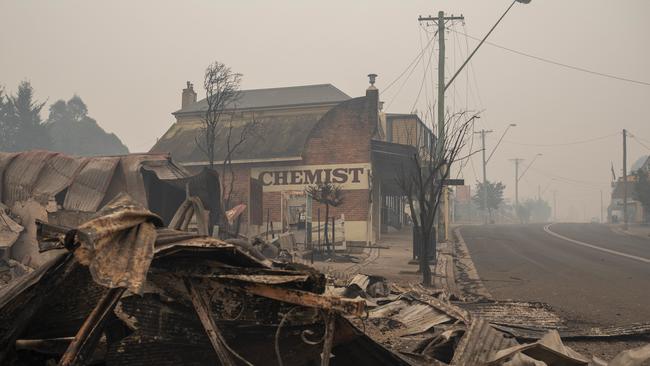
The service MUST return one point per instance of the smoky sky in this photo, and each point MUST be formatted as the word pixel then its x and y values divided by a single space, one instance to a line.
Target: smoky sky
pixel 129 61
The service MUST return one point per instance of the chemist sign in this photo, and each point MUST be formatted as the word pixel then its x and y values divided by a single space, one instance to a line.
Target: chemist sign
pixel 348 176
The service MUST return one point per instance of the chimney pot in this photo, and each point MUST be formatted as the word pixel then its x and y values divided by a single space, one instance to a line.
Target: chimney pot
pixel 189 96
pixel 372 78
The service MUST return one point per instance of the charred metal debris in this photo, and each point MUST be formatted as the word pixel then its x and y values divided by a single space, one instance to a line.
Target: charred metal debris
pixel 127 286
pixel 126 291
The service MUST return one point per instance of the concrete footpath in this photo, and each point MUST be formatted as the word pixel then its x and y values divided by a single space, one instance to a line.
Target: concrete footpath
pixel 393 259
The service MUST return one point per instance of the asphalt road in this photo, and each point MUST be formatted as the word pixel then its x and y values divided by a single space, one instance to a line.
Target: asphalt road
pixel 587 272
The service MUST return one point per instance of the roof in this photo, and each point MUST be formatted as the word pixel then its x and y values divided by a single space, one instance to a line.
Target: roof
pixel 83 182
pixel 278 97
pixel 618 192
pixel 275 137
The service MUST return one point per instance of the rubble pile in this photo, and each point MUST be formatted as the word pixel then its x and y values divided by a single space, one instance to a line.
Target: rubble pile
pixel 122 287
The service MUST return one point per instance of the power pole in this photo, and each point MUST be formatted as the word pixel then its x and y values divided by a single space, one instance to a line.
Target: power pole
pixel 554 205
pixel 517 161
pixel 624 179
pixel 440 21
pixel 539 192
pixel 485 187
pixel 601 207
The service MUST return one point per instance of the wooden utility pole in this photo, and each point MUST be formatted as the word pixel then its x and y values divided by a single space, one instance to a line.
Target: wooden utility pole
pixel 602 220
pixel 485 187
pixel 517 161
pixel 440 21
pixel 554 205
pixel 624 179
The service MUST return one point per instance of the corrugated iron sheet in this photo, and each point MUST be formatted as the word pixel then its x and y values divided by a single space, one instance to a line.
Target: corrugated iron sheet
pixel 516 313
pixel 21 174
pixel 5 160
pixel 130 165
pixel 57 174
pixel 165 169
pixel 42 174
pixel 417 316
pixel 89 186
pixel 479 343
pixel 117 245
pixel 9 230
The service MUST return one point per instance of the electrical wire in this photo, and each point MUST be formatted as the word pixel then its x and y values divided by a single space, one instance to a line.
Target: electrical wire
pixel 563 143
pixel 560 178
pixel 416 59
pixel 471 68
pixel 556 63
pixel 640 143
pixel 425 71
pixel 390 102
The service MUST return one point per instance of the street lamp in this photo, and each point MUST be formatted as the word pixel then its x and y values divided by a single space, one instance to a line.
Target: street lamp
pixel 483 40
pixel 500 139
pixel 531 163
pixel 518 177
pixel 485 161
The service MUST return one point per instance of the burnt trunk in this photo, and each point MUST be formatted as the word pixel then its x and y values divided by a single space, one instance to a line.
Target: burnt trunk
pixel 427 236
pixel 327 239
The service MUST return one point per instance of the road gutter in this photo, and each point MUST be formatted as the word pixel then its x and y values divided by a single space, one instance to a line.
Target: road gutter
pixel 466 275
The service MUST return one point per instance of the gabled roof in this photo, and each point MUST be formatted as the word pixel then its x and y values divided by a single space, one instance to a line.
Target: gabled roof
pixel 275 137
pixel 618 193
pixel 278 97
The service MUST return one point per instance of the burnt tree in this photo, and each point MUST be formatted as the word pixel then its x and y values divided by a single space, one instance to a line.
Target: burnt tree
pixel 421 181
pixel 330 195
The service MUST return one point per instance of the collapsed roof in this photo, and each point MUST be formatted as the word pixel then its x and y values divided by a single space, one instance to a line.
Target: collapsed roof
pixel 80 184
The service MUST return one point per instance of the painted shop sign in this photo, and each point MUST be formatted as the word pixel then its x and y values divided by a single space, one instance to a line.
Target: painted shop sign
pixel 348 176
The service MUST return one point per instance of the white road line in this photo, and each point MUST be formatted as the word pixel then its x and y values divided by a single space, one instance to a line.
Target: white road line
pixel 614 252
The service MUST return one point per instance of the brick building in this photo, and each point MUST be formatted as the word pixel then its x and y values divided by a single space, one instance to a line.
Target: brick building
pixel 304 135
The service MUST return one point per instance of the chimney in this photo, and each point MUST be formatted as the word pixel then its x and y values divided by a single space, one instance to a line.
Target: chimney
pixel 189 96
pixel 372 94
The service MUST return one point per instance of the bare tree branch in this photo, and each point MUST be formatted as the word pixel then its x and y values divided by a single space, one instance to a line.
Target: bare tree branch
pixel 421 181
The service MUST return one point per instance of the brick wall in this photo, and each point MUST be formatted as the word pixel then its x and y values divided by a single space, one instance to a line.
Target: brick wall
pixel 342 136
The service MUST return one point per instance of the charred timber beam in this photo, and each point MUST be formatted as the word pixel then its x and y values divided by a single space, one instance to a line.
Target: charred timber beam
pixel 42 291
pixel 53 346
pixel 56 346
pixel 329 338
pixel 303 298
pixel 81 348
pixel 210 326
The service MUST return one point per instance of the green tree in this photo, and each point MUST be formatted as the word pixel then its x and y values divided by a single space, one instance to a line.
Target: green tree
pixel 494 196
pixel 524 211
pixel 21 125
pixel 540 210
pixel 73 132
pixel 642 188
pixel 7 130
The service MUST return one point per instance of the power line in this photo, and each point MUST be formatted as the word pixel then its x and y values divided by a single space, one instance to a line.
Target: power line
pixel 642 139
pixel 570 180
pixel 563 143
pixel 419 55
pixel 420 58
pixel 424 78
pixel 640 143
pixel 556 63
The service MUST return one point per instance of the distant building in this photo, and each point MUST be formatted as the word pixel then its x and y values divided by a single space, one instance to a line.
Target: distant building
pixel 307 134
pixel 615 210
